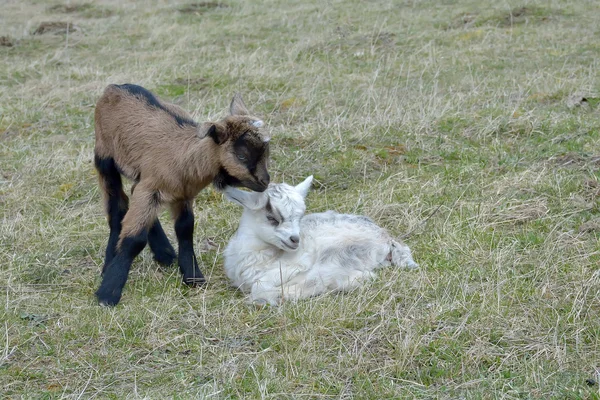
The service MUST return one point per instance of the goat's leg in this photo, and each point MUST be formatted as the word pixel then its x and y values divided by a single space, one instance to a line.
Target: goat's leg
pixel 274 284
pixel 401 256
pixel 134 235
pixel 319 284
pixel 351 280
pixel 163 252
pixel 184 229
pixel 115 202
pixel 302 290
pixel 263 292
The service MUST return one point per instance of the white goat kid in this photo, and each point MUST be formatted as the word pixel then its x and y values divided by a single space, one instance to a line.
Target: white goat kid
pixel 278 252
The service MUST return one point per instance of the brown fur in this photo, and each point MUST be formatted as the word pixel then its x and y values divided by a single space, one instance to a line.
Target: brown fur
pixel 169 162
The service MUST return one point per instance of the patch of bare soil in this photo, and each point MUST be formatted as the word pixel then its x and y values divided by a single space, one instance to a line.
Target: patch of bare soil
pixel 465 20
pixel 582 101
pixel 383 39
pixel 591 188
pixel 6 41
pixel 55 28
pixel 201 7
pixel 69 8
pixel 516 16
pixel 573 159
pixel 523 15
pixel 85 10
pixel 590 226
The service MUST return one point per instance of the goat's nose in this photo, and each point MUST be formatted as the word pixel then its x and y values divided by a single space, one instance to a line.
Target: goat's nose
pixel 265 180
pixel 295 239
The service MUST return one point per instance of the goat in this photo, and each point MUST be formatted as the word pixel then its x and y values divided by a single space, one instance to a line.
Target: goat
pixel 278 253
pixel 170 158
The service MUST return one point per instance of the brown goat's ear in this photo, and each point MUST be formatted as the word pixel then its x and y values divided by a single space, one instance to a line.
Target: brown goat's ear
pixel 217 133
pixel 237 106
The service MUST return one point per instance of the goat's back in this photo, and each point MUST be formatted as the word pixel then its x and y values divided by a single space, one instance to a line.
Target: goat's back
pixel 140 131
pixel 344 240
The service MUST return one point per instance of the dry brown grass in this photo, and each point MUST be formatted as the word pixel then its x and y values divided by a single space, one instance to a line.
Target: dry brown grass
pixel 398 109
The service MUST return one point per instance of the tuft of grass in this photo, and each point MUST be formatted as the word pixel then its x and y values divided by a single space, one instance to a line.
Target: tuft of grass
pixel 473 126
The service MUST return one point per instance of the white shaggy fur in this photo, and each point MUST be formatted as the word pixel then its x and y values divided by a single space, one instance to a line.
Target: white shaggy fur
pixel 278 252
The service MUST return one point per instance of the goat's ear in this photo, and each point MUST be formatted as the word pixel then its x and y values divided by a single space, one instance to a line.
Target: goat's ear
pixel 304 187
pixel 237 106
pixel 250 200
pixel 218 133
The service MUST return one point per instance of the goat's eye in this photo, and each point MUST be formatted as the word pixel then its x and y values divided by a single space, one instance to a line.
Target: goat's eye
pixel 272 220
pixel 241 157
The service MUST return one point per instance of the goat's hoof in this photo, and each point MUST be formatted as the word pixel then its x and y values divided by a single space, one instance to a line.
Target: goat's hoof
pixel 108 299
pixel 262 302
pixel 166 258
pixel 194 282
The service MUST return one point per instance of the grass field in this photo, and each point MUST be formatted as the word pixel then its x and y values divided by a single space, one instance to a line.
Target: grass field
pixel 485 111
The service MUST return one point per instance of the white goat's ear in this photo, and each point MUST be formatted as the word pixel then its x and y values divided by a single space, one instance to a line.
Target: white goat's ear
pixel 304 187
pixel 250 200
pixel 237 106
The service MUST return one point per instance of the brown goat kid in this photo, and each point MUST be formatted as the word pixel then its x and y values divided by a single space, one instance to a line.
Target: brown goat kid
pixel 170 158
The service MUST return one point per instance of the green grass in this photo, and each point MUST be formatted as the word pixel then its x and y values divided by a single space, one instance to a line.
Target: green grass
pixel 397 108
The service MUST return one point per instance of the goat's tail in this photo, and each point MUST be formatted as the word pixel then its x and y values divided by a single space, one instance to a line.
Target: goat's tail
pixel 401 255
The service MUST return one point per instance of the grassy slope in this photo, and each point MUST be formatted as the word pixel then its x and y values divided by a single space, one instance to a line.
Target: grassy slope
pixel 397 107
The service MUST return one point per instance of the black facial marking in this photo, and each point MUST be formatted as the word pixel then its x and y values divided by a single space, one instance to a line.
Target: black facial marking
pixel 223 179
pixel 212 132
pixel 151 100
pixel 249 152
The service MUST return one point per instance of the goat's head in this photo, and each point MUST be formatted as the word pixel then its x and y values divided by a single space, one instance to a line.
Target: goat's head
pixel 275 214
pixel 243 150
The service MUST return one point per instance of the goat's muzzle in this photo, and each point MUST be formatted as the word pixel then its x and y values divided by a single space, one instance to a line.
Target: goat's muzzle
pixel 291 245
pixel 261 184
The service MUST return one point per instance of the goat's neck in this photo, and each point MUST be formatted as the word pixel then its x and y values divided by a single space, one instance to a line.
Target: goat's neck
pixel 200 156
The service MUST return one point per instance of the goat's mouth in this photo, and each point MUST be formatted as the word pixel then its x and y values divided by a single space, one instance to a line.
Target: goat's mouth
pixel 224 179
pixel 255 186
pixel 290 246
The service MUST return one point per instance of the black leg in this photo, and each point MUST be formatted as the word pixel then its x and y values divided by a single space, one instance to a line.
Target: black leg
pixel 115 273
pixel 164 253
pixel 142 213
pixel 184 228
pixel 116 219
pixel 116 202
